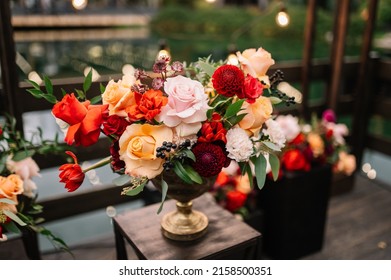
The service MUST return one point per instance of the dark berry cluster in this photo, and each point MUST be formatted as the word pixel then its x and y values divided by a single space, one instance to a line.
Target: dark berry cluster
pixel 276 77
pixel 167 147
pixel 289 100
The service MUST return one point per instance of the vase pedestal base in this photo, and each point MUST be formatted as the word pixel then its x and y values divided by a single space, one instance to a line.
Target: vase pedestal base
pixel 184 224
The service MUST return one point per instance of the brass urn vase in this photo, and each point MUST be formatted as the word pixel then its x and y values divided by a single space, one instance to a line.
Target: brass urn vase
pixel 183 224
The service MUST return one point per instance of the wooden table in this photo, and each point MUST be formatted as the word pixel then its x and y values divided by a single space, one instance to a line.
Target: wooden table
pixel 226 238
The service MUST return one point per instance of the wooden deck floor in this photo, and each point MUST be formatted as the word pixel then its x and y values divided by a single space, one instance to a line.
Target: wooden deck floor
pixel 358 228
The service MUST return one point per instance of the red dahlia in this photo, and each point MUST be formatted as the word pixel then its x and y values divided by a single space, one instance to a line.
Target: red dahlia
pixel 228 80
pixel 210 159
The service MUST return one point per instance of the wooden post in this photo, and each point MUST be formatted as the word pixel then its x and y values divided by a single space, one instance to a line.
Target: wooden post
pixel 307 56
pixel 364 83
pixel 9 73
pixel 338 49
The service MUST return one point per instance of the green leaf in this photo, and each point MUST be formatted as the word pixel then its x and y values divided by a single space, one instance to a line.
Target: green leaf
pixel 234 108
pixel 189 154
pixel 48 85
pixel 207 68
pixel 87 81
pixel 34 84
pixel 136 190
pixel 260 170
pixel 11 227
pixel 122 180
pixel 63 92
pixel 236 119
pixel 181 172
pixel 249 173
pixel 194 176
pixel 23 154
pixel 51 98
pixel 275 165
pixel 102 88
pixel 37 93
pixel 13 217
pixel 272 146
pixel 80 94
pixel 96 99
pixel 209 113
pixel 164 194
pixel 8 201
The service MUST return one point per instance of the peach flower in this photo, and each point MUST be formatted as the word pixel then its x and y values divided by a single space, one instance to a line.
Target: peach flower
pixel 138 149
pixel 11 186
pixel 346 163
pixel 256 63
pixel 256 115
pixel 316 144
pixel 119 95
pixel 26 169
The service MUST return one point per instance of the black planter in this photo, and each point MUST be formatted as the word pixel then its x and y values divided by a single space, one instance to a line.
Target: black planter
pixel 295 211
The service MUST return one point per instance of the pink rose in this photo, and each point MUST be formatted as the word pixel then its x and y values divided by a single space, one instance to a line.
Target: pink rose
pixel 186 107
pixel 256 63
pixel 26 169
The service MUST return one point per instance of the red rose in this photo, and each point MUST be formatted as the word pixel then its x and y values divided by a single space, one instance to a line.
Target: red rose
pixel 84 120
pixel 253 89
pixel 300 139
pixel 235 200
pixel 295 160
pixel 213 130
pixel 228 80
pixel 115 125
pixel 72 174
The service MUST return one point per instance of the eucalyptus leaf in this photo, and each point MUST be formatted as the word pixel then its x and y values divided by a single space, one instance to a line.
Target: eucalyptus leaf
pixel 272 146
pixel 11 227
pixel 135 190
pixel 164 194
pixel 275 100
pixel 80 94
pixel 275 165
pixel 51 98
pixel 13 217
pixel 34 84
pixel 207 68
pixel 236 119
pixel 8 201
pixel 260 170
pixel 37 93
pixel 122 180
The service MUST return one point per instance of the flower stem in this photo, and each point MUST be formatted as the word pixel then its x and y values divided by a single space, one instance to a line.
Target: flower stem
pixel 98 164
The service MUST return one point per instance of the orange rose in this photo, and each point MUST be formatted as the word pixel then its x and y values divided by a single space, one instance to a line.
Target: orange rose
pixel 84 120
pixel 138 149
pixel 11 186
pixel 147 106
pixel 256 115
pixel 346 163
pixel 119 95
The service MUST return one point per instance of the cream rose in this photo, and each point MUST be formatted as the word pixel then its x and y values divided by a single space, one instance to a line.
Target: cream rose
pixel 186 107
pixel 346 163
pixel 11 186
pixel 256 115
pixel 119 95
pixel 256 63
pixel 138 149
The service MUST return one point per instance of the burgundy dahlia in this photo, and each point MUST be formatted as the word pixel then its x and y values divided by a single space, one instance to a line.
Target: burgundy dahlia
pixel 228 80
pixel 116 164
pixel 210 159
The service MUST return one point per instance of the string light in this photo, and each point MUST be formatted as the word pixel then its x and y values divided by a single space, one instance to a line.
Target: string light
pixel 79 4
pixel 163 50
pixel 282 17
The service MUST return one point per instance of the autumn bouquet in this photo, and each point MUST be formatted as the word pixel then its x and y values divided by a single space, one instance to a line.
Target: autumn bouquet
pixel 19 209
pixel 192 119
pixel 322 141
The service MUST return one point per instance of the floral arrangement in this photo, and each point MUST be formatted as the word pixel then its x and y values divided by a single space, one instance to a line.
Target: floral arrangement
pixel 18 192
pixel 314 144
pixel 193 119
